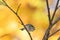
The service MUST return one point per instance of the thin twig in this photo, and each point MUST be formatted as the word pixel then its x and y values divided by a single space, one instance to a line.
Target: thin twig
pixel 13 12
pixel 48 11
pixel 46 36
pixel 54 24
pixel 56 20
pixel 55 10
pixel 48 30
pixel 51 24
pixel 18 18
pixel 18 8
pixel 54 33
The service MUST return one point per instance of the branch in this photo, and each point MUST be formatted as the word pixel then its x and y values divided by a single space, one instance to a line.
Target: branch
pixel 54 33
pixel 1 3
pixel 18 8
pixel 55 10
pixel 48 10
pixel 48 30
pixel 56 20
pixel 18 18
pixel 46 36
pixel 51 24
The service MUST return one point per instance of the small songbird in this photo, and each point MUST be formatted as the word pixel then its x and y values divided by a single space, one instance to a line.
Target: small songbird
pixel 29 27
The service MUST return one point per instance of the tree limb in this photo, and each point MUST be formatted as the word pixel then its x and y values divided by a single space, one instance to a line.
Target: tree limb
pixel 18 8
pixel 54 33
pixel 51 24
pixel 55 10
pixel 48 9
pixel 18 18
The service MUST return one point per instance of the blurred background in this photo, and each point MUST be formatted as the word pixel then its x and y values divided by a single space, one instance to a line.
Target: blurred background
pixel 32 12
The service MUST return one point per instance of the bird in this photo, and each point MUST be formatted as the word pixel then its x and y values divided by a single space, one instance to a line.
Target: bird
pixel 29 27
